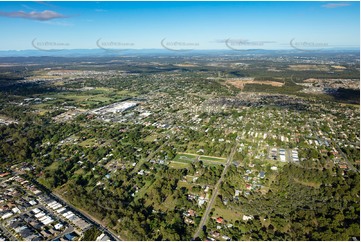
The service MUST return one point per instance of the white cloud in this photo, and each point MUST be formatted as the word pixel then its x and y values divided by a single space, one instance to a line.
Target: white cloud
pixel 335 5
pixel 100 10
pixel 41 16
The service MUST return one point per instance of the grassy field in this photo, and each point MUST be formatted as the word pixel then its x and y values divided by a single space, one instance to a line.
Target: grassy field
pixel 53 166
pixel 89 143
pixel 79 172
pixel 89 99
pixel 169 204
pixel 190 178
pixel 43 182
pixel 185 158
pixel 309 67
pixel 150 138
pixel 212 158
pixel 189 158
pixel 227 214
pixel 308 184
pixel 178 165
pixel 185 184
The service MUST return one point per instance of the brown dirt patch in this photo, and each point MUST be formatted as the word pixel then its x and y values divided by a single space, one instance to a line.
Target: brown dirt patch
pixel 339 67
pixel 309 67
pixel 241 83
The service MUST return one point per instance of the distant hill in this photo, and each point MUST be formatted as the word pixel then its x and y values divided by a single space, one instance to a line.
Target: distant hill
pixel 149 52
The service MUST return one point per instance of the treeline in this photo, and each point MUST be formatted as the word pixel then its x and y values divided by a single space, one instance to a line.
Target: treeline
pixel 128 216
pixel 304 204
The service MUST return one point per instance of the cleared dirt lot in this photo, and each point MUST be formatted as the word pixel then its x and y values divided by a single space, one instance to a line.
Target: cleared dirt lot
pixel 339 67
pixel 309 68
pixel 241 83
pixel 185 65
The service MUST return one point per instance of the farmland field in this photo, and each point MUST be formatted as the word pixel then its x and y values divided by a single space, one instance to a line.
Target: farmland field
pixel 178 165
pixel 212 158
pixel 185 158
pixel 189 158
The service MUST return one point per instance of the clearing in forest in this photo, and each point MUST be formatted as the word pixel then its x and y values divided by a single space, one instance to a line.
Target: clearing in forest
pixel 240 83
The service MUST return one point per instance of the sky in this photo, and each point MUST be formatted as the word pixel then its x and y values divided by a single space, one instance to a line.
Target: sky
pixel 179 25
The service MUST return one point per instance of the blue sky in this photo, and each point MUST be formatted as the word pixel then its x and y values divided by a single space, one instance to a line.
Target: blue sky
pixel 195 25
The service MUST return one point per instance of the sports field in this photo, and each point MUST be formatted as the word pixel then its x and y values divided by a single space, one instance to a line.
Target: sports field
pixel 182 160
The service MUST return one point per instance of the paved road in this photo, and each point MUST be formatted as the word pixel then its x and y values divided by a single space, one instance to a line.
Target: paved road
pixel 42 206
pixel 349 164
pixel 7 233
pixel 66 231
pixel 214 194
pixel 88 217
pixel 81 214
pixel 149 157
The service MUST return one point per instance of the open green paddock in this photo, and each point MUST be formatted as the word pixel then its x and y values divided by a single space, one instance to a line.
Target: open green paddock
pixel 212 159
pixel 187 158
pixel 178 165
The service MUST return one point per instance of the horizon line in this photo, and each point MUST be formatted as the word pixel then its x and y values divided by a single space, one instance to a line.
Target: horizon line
pixel 184 50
